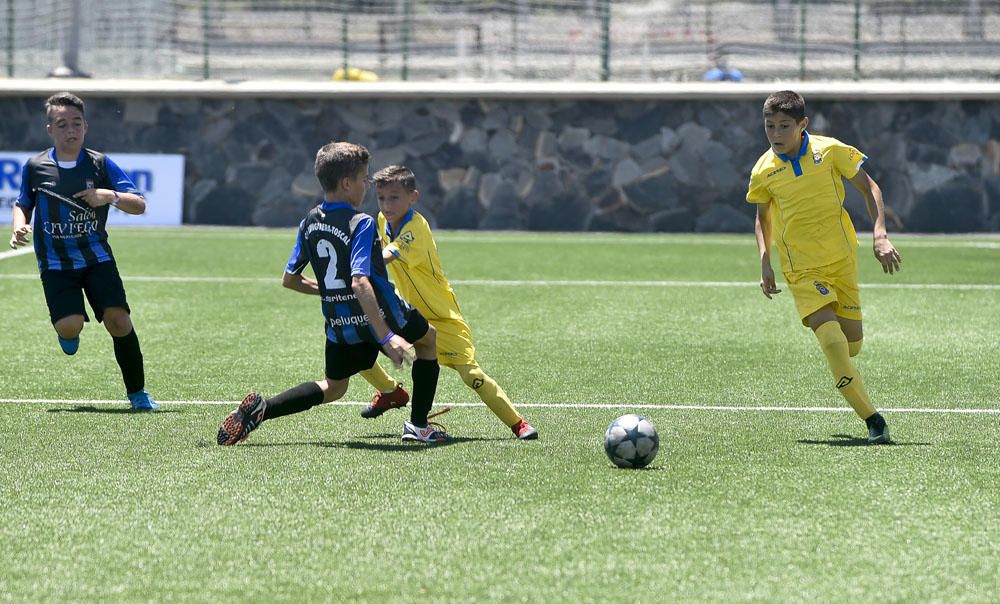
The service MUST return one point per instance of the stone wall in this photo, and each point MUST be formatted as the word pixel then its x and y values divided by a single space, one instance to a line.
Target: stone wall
pixel 643 164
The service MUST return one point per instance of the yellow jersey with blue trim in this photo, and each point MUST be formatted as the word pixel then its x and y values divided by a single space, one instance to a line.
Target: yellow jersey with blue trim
pixel 417 269
pixel 809 224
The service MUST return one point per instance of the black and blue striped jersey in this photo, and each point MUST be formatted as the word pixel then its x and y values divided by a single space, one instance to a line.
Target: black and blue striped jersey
pixel 339 243
pixel 68 233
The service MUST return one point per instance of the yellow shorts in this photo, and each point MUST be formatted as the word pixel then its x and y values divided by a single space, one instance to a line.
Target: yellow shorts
pixel 454 342
pixel 835 284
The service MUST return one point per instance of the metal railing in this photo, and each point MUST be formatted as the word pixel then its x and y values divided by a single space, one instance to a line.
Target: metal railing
pixel 624 40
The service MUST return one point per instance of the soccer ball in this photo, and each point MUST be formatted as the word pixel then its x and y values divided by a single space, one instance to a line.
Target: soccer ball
pixel 631 441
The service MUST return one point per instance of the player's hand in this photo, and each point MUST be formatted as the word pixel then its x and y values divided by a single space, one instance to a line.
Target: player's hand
pixel 767 283
pixel 96 198
pixel 399 351
pixel 887 255
pixel 19 236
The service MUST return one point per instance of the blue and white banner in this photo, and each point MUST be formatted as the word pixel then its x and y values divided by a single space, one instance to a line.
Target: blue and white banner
pixel 159 177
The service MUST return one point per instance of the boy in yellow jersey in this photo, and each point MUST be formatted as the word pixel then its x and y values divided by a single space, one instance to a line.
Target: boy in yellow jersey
pixel 798 189
pixel 411 256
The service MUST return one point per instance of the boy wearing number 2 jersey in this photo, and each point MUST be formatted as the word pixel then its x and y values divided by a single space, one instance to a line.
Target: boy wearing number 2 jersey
pixel 362 312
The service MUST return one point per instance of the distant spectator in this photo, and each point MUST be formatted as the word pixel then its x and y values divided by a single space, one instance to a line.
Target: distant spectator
pixel 720 72
pixel 355 74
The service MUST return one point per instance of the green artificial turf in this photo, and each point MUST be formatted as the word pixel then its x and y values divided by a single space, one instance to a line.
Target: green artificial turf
pixel 742 504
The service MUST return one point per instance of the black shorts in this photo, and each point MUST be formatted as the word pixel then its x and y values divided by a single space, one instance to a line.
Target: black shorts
pixel 64 290
pixel 345 360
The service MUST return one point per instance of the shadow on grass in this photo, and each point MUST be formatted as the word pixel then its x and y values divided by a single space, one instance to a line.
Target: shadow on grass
pixel 398 445
pixel 256 445
pixel 113 410
pixel 363 445
pixel 846 440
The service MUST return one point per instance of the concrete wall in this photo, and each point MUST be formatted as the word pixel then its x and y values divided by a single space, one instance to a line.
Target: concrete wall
pixel 560 156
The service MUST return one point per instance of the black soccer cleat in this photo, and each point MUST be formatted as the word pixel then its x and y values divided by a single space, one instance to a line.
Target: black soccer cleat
pixel 878 431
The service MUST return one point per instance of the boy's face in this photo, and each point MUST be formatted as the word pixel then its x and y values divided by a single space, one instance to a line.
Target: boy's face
pixel 66 127
pixel 784 133
pixel 395 200
pixel 354 189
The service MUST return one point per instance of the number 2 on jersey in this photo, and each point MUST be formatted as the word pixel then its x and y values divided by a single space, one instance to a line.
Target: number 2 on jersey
pixel 325 249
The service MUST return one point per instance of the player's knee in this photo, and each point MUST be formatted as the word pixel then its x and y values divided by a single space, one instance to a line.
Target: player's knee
pixel 117 322
pixel 853 348
pixel 820 317
pixel 69 327
pixel 333 389
pixel 426 346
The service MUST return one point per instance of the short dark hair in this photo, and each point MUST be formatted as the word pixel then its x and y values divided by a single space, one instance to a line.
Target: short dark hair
pixel 64 99
pixel 338 160
pixel 788 102
pixel 400 175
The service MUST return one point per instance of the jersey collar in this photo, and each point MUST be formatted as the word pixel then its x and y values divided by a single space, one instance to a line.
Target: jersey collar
pixel 388 227
pixel 334 205
pixel 796 166
pixel 52 155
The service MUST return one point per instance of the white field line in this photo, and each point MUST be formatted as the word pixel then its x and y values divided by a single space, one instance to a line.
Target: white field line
pixel 541 282
pixel 18 252
pixel 730 408
pixel 754 284
pixel 900 242
pixel 516 238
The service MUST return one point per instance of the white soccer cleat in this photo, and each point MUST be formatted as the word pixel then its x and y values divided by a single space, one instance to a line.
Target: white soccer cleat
pixel 427 434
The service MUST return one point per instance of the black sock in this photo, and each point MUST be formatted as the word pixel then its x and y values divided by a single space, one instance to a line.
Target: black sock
pixel 875 421
pixel 294 400
pixel 425 381
pixel 129 357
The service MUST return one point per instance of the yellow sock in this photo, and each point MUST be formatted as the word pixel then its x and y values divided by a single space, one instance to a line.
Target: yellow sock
pixel 377 377
pixel 855 347
pixel 847 379
pixel 491 393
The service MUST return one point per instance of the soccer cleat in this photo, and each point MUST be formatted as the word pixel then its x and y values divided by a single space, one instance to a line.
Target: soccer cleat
pixel 524 431
pixel 382 402
pixel 242 421
pixel 141 401
pixel 427 434
pixel 878 431
pixel 69 346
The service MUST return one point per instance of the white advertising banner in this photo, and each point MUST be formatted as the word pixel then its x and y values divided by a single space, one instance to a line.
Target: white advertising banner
pixel 159 177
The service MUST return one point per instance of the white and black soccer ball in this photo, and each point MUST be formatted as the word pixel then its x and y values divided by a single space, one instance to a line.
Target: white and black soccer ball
pixel 631 441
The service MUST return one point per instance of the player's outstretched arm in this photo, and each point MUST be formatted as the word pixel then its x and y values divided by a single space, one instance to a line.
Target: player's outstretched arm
pixel 300 283
pixel 20 229
pixel 394 346
pixel 762 230
pixel 885 252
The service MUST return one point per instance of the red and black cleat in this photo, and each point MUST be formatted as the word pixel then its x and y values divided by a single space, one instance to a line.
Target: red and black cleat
pixel 238 424
pixel 382 402
pixel 524 431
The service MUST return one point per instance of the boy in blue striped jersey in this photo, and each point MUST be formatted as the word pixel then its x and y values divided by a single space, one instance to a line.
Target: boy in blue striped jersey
pixel 362 312
pixel 69 190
